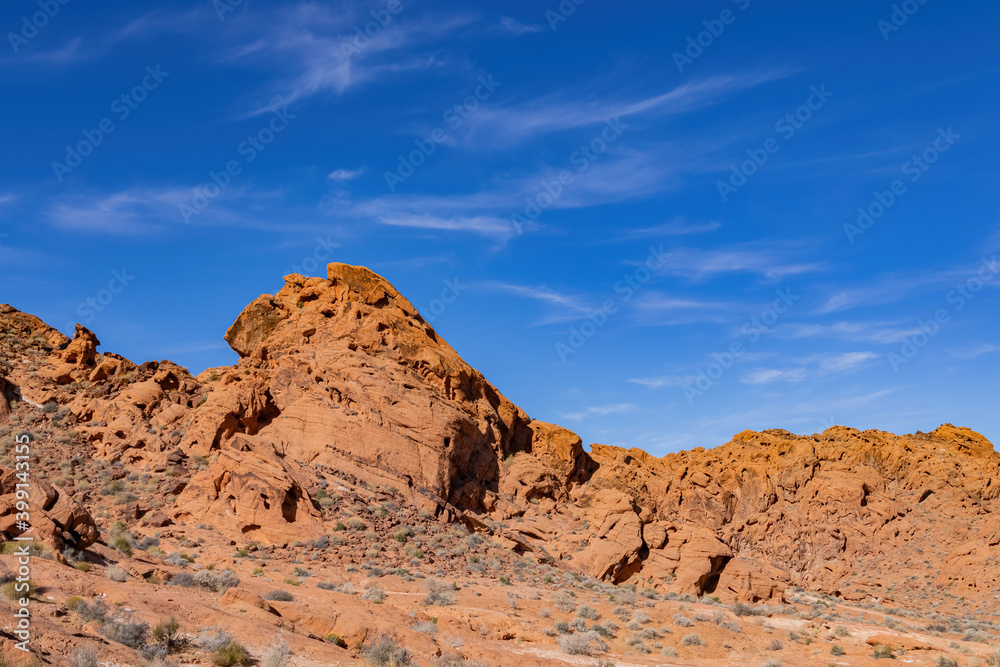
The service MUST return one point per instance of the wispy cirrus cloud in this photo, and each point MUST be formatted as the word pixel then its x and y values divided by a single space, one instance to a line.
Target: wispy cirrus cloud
pixel 657 301
pixel 69 53
pixel 872 332
pixel 146 210
pixel 624 175
pixel 341 175
pixel 768 261
pixel 973 351
pixel 675 227
pixel 559 307
pixel 486 225
pixel 543 294
pixel 656 308
pixel 661 381
pixel 94 44
pixel 324 49
pixel 505 125
pixel 514 27
pixel 127 212
pixel 810 368
pixel 651 309
pixel 163 20
pixel 600 411
pixel 897 286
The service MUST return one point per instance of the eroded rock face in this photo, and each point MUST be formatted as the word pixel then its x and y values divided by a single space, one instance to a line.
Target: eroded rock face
pixel 56 520
pixel 253 492
pixel 773 509
pixel 76 361
pixel 342 374
pixel 618 540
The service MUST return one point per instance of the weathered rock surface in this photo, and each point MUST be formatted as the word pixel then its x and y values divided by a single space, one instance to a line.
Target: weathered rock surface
pixel 343 374
pixel 55 519
pixel 251 491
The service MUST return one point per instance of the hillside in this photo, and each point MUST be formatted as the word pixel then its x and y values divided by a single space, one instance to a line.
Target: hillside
pixel 352 447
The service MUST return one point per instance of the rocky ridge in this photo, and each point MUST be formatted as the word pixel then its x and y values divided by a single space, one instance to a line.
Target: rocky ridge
pixel 342 379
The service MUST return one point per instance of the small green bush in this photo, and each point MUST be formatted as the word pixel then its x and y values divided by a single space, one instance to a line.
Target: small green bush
pixel 165 632
pixel 231 655
pixel 883 652
pixel 15 590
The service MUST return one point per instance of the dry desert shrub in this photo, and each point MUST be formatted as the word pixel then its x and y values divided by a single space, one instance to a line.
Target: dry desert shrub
pixel 83 657
pixel 212 638
pixel 439 593
pixel 575 645
pixel 682 621
pixel 374 594
pixel 280 596
pixel 385 652
pixel 277 656
pixel 124 630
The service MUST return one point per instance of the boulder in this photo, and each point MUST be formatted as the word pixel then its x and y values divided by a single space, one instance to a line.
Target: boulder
pixel 615 548
pixel 55 519
pixel 560 449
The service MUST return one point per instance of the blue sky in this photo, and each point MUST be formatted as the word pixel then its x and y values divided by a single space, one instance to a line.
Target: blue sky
pixel 641 222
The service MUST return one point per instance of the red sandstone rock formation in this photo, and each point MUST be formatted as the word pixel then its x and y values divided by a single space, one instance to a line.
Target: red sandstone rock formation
pixel 343 374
